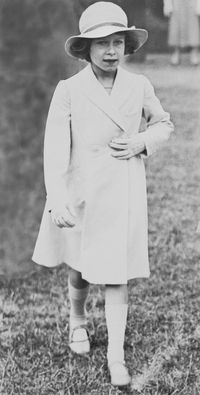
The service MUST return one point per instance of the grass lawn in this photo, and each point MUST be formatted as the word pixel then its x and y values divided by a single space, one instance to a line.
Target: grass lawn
pixel 163 332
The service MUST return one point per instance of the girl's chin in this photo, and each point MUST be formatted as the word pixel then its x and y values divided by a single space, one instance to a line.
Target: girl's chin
pixel 106 67
pixel 109 66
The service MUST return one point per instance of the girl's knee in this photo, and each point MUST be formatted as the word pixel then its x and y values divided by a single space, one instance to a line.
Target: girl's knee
pixel 76 279
pixel 116 294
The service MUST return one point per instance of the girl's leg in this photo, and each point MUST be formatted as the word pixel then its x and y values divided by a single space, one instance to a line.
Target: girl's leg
pixel 194 56
pixel 116 307
pixel 78 292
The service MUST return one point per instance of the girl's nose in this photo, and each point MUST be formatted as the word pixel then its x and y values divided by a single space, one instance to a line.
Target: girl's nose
pixel 111 49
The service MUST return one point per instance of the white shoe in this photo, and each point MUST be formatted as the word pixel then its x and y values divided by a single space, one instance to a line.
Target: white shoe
pixel 119 374
pixel 79 340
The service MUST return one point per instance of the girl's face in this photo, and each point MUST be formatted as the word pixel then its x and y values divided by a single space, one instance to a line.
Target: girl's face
pixel 107 52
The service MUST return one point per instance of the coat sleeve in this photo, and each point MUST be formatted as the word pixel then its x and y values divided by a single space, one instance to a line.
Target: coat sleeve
pixel 167 7
pixel 159 126
pixel 57 145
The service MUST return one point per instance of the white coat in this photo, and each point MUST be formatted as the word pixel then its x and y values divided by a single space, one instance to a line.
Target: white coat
pixel 108 245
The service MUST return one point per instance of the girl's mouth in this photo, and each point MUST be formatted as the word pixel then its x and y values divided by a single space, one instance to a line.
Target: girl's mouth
pixel 110 61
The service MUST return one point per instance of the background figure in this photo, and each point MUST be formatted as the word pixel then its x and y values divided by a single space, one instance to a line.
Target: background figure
pixel 184 28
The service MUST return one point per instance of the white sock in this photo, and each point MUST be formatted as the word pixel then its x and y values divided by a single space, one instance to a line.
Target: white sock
pixel 116 316
pixel 77 299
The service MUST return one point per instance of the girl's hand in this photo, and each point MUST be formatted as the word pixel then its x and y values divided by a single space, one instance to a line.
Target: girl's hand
pixel 125 148
pixel 63 217
pixel 168 8
pixel 167 14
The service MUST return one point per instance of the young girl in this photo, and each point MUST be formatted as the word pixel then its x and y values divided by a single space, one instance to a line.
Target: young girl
pixel 184 28
pixel 95 217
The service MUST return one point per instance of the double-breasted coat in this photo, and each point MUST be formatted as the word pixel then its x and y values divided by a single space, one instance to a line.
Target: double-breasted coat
pixel 108 244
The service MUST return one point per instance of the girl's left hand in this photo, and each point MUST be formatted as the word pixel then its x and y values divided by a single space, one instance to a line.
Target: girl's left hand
pixel 125 148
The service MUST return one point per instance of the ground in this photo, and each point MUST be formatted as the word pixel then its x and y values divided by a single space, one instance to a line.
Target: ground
pixel 163 332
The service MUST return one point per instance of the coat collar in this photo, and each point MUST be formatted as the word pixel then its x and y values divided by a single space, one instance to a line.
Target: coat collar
pixel 109 104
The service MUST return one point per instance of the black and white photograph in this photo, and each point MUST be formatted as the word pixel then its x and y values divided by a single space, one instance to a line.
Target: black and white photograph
pixel 100 197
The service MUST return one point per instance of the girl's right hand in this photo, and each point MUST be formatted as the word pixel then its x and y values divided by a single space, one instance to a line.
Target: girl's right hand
pixel 63 217
pixel 168 8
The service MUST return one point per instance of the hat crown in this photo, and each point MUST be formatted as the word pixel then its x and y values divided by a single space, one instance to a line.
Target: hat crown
pixel 102 13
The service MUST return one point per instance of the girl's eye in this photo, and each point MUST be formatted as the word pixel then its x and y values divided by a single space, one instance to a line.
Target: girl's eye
pixel 101 42
pixel 119 42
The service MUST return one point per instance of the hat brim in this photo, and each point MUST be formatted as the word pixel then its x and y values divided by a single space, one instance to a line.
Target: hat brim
pixel 135 38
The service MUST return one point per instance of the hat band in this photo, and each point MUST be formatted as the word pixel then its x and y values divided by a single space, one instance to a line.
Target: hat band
pixel 102 25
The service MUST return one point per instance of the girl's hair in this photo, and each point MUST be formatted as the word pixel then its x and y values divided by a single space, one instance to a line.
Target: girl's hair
pixel 81 48
pixel 130 44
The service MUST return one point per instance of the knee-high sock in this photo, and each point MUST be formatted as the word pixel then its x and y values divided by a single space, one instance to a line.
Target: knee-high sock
pixel 116 317
pixel 77 299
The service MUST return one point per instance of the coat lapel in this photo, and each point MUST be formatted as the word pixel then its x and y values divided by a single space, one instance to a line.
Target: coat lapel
pixel 122 88
pixel 109 104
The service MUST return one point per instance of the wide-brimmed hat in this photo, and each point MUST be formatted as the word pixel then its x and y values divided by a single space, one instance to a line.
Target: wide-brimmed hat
pixel 102 19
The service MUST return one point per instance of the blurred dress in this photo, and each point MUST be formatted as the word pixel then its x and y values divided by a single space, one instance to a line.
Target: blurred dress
pixel 184 28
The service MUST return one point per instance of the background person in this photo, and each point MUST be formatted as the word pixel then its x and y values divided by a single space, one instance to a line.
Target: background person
pixel 184 28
